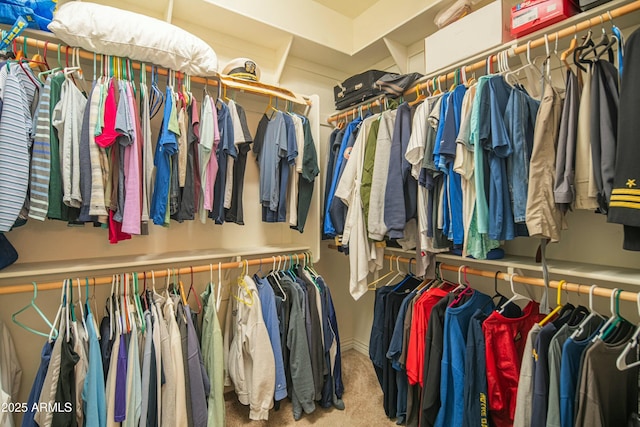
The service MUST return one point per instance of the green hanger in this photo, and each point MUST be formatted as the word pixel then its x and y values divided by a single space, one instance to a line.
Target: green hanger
pixel 33 305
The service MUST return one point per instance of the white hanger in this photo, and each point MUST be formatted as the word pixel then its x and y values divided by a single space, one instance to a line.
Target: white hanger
pixel 398 273
pixel 460 285
pixel 593 313
pixel 275 277
pixel 53 333
pixel 67 311
pixel 621 362
pixel 516 296
pixel 609 322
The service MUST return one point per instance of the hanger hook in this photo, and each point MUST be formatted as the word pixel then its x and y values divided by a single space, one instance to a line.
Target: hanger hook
pixel 495 281
pixel 513 289
pixel 612 301
pixel 591 289
pixel 460 274
pixel 610 17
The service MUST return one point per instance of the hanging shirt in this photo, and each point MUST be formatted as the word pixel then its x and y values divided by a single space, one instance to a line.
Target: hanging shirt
pixel 585 180
pixel 133 384
pixel 475 370
pixel 242 141
pixel 522 415
pixel 15 140
pixel 297 170
pixel 329 229
pixel 209 138
pixel 310 171
pixel 80 347
pixel 543 216
pixel 38 382
pixel 355 233
pixel 147 153
pixel 269 154
pixel 606 396
pixel 623 206
pixel 479 130
pixel 178 408
pixel 191 191
pixel 41 158
pixel 572 352
pixel 226 149
pixel 132 212
pixel 166 147
pixel 65 396
pixel 10 374
pixel 93 392
pixel 212 349
pixel 452 380
pixel 505 340
pixel 199 384
pixel 377 227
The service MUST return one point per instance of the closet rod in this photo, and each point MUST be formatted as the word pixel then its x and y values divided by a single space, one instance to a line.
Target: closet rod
pixel 540 41
pixel 106 280
pixel 367 105
pixel 569 287
pixel 255 88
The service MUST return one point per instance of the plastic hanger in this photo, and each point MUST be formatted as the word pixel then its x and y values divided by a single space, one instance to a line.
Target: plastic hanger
pixel 558 307
pixel 397 271
pixel 34 306
pixel 613 319
pixel 621 362
pixel 156 98
pixel 81 305
pixel 577 53
pixel 372 285
pixel 242 284
pixel 466 287
pixel 136 297
pixel 569 51
pixel 516 296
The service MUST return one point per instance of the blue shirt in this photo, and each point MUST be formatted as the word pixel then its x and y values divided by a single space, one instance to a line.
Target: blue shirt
pixel 166 147
pixel 501 221
pixel 456 327
pixel 270 316
pixel 447 155
pixel 93 393
pixel 329 229
pixel 38 382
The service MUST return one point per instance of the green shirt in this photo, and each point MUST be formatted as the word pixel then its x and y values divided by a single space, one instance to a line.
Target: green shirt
pixel 306 182
pixel 367 169
pixel 211 354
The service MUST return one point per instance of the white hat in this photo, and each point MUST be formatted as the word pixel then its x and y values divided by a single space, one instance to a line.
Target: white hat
pixel 243 68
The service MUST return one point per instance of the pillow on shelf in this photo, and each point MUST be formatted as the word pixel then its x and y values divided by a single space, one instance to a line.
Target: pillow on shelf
pixel 111 31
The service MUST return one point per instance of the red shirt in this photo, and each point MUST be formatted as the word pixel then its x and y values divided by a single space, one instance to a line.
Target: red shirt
pixel 505 340
pixel 417 337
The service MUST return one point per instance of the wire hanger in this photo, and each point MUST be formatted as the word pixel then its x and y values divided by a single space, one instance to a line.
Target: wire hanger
pixel 621 362
pixel 32 304
pixel 195 294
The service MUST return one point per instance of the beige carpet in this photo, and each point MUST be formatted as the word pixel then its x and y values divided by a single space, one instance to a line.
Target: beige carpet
pixel 362 398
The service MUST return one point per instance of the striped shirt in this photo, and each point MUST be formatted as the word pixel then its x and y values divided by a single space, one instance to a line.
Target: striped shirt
pixel 41 159
pixel 15 132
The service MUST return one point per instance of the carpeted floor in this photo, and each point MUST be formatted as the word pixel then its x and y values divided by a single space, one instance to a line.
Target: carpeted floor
pixel 362 398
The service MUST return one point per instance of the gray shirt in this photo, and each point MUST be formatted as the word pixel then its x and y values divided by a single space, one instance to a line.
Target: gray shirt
pixel 273 149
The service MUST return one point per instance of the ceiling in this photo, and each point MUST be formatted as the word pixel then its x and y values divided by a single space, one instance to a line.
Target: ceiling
pixel 349 8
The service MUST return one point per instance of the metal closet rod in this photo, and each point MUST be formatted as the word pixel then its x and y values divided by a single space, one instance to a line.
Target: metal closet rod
pixel 157 273
pixel 246 86
pixel 567 286
pixel 540 41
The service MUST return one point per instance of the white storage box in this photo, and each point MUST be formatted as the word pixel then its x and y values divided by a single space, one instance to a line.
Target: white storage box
pixel 481 30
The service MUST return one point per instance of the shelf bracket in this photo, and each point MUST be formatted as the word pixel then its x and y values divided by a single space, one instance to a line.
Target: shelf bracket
pixel 168 17
pixel 399 53
pixel 282 54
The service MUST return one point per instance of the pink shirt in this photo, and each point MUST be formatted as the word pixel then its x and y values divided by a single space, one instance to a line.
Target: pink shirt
pixel 132 212
pixel 109 133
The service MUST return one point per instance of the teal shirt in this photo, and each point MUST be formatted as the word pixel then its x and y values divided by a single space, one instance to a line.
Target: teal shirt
pixel 93 392
pixel 478 243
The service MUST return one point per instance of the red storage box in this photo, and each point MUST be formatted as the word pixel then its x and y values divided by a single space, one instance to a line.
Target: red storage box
pixel 532 15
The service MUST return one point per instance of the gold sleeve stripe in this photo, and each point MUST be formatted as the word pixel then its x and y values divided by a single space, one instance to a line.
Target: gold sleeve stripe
pixel 625 198
pixel 629 191
pixel 624 205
